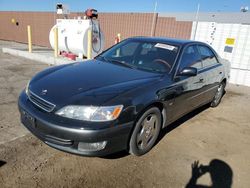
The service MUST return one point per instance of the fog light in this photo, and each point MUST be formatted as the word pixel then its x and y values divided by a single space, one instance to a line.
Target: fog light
pixel 97 146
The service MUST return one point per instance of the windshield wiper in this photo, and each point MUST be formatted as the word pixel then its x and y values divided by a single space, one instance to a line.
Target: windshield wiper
pixel 103 57
pixel 119 62
pixel 153 70
pixel 122 63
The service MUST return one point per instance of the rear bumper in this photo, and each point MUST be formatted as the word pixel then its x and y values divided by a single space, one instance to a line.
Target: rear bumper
pixel 66 135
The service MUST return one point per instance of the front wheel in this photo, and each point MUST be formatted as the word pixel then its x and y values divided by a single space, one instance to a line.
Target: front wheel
pixel 218 95
pixel 146 132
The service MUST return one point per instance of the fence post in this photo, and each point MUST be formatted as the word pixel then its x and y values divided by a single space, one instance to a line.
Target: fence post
pixel 29 38
pixel 154 22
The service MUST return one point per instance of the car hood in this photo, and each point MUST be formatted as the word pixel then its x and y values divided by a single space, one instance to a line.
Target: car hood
pixel 97 81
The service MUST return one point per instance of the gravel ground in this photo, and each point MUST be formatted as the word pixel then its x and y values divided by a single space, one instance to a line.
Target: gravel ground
pixel 204 135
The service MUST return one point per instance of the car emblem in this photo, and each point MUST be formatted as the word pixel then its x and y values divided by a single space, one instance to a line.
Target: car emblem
pixel 44 92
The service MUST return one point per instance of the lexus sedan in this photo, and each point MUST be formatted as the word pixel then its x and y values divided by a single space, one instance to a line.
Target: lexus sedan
pixel 123 98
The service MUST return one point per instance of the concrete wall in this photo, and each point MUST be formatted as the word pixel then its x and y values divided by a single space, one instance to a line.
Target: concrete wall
pixel 128 24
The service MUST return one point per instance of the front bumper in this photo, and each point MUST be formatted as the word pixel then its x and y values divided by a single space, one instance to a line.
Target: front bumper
pixel 65 134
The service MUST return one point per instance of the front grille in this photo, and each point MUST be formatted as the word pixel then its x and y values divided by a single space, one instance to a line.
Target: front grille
pixel 41 103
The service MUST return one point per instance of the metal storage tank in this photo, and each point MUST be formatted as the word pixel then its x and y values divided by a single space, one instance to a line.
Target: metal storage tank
pixel 73 36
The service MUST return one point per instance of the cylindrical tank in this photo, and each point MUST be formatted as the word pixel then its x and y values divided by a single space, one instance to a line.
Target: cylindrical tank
pixel 73 36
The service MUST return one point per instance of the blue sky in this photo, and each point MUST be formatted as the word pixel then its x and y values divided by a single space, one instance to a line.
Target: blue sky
pixel 126 5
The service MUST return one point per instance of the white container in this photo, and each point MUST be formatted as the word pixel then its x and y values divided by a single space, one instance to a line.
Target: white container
pixel 217 34
pixel 73 36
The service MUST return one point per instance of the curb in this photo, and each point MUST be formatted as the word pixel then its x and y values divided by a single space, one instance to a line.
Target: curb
pixel 37 57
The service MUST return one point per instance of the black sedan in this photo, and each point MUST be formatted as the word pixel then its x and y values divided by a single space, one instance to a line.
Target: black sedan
pixel 124 97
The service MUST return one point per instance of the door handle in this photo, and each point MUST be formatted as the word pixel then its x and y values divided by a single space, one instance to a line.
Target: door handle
pixel 200 80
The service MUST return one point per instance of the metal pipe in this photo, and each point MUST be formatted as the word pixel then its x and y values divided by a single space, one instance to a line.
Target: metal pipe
pixel 29 38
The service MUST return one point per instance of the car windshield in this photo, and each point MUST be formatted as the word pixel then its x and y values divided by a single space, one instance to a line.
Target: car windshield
pixel 148 56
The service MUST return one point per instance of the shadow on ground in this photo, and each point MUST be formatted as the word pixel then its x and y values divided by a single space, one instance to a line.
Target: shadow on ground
pixel 2 163
pixel 220 173
pixel 116 155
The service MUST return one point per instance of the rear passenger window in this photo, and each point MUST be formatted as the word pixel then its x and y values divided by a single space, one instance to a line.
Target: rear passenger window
pixel 190 58
pixel 208 57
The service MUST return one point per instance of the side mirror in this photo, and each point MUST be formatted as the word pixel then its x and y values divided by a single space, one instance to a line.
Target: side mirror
pixel 188 71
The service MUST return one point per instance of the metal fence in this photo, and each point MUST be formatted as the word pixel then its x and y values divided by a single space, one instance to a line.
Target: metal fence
pixel 14 26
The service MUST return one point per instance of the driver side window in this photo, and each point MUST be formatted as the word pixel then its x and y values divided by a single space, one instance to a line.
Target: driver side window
pixel 190 58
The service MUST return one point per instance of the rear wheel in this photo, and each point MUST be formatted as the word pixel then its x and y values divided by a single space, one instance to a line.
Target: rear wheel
pixel 218 95
pixel 146 132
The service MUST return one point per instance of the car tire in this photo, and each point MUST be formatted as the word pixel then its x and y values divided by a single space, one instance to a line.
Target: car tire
pixel 218 95
pixel 146 132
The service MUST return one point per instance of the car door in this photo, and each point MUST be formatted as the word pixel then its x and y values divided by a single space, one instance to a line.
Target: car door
pixel 188 88
pixel 212 72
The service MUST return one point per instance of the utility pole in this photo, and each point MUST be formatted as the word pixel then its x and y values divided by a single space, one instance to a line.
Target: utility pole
pixel 196 20
pixel 153 22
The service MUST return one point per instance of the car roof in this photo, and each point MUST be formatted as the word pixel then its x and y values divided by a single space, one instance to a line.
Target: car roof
pixel 172 41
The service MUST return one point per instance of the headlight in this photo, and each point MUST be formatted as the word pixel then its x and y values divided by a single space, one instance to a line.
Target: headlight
pixel 27 87
pixel 91 113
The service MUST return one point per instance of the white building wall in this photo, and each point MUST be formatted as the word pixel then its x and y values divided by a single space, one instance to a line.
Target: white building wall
pixel 216 35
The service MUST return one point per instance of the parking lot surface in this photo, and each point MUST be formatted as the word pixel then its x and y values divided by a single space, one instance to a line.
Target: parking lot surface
pixel 219 138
